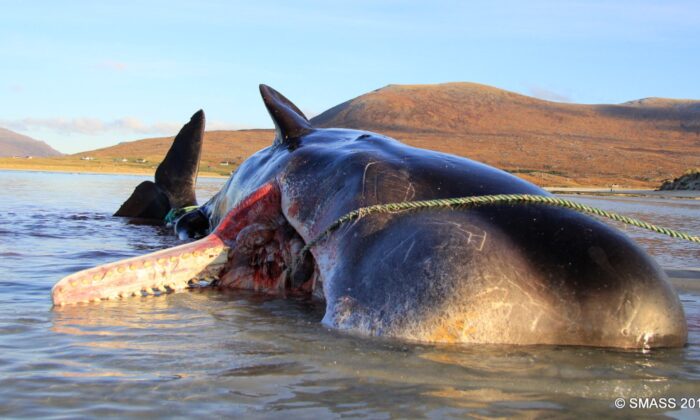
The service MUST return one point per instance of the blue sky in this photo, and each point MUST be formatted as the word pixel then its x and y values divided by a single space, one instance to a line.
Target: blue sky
pixel 86 74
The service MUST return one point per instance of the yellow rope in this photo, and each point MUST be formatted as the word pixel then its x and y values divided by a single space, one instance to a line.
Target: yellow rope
pixel 465 202
pixel 176 213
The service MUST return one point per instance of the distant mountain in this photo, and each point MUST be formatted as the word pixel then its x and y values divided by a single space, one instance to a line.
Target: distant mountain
pixel 14 144
pixel 639 143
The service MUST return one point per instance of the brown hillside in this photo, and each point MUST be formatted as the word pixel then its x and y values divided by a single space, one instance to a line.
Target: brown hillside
pixel 143 156
pixel 219 147
pixel 15 144
pixel 636 143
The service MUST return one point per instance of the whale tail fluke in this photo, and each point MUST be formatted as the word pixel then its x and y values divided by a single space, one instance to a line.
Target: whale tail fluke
pixel 175 177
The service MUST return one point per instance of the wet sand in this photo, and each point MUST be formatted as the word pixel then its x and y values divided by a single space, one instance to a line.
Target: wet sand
pixel 684 280
pixel 620 192
pixel 99 171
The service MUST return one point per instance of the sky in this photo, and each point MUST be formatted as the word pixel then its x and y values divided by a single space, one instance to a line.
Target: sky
pixel 87 74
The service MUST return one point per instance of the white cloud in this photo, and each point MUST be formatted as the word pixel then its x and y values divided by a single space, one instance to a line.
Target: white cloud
pixel 96 126
pixel 112 65
pixel 91 126
pixel 548 94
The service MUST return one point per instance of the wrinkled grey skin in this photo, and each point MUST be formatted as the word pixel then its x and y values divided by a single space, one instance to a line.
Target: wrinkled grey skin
pixel 519 274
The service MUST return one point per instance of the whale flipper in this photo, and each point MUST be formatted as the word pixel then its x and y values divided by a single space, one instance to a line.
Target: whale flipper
pixel 175 177
pixel 146 202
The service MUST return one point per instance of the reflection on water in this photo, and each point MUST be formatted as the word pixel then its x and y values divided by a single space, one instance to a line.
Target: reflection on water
pixel 226 354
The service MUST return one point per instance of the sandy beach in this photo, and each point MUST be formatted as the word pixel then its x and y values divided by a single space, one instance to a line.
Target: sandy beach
pixel 86 167
pixel 603 191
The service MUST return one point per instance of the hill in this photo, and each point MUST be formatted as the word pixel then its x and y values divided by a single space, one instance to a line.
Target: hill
pixel 222 151
pixel 636 144
pixel 15 144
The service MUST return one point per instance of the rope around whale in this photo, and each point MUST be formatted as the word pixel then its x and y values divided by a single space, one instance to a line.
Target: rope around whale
pixel 177 212
pixel 485 200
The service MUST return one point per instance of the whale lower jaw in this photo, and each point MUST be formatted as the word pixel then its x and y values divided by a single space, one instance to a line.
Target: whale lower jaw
pixel 165 271
pixel 251 248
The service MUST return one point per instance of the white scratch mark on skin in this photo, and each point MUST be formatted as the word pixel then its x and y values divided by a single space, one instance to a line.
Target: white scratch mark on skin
pixel 475 239
pixel 480 246
pixel 376 184
pixel 409 189
pixel 364 178
pixel 631 318
pixel 409 250
pixel 535 322
pixel 400 244
pixel 560 318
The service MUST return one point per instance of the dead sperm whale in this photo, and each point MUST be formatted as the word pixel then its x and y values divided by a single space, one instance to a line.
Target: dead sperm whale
pixel 517 274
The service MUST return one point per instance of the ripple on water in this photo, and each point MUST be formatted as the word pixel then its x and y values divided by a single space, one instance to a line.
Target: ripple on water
pixel 213 354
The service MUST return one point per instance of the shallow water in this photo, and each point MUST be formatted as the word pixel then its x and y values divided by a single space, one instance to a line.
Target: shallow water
pixel 679 214
pixel 215 354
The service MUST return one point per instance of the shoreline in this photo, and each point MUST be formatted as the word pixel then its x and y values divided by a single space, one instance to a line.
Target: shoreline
pixel 105 172
pixel 591 191
pixel 622 192
pixel 684 279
